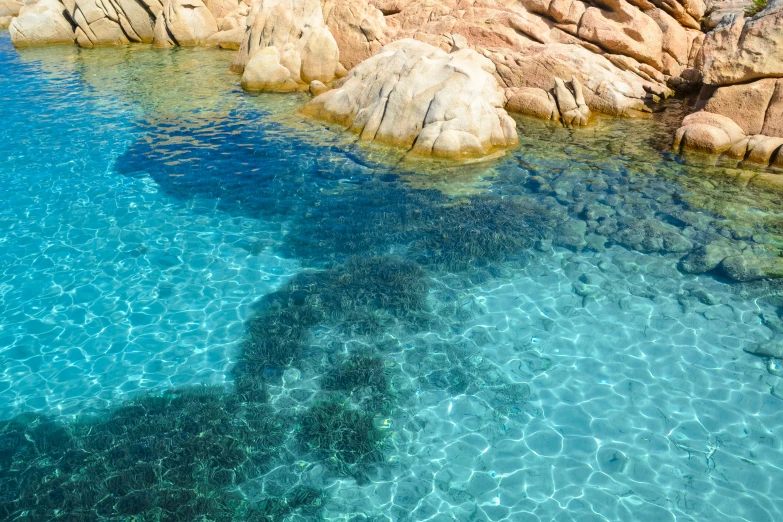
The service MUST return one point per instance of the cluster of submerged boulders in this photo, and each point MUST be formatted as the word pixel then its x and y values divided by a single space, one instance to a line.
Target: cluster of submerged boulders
pixel 647 215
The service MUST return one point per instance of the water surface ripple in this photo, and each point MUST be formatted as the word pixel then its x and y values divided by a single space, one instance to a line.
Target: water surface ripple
pixel 383 339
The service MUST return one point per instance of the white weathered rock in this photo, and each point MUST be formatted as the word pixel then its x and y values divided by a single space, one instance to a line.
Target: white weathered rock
pixel 221 8
pixel 10 7
pixel 317 88
pixel 532 101
pixel 8 10
pixel 161 36
pixel 297 45
pixel 416 96
pixel 707 132
pixel 112 22
pixel 186 23
pixel 228 39
pixel 265 71
pixel 607 88
pixel 41 23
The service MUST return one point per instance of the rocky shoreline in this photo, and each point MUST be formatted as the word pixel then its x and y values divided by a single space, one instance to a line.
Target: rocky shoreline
pixel 438 77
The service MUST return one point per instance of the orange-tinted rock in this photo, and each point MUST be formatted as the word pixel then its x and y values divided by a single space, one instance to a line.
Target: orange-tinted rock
pixel 745 49
pixel 773 119
pixel 745 104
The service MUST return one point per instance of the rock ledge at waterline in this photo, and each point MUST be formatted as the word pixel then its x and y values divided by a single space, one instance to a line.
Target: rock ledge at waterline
pixel 417 96
pixel 562 60
pixel 555 59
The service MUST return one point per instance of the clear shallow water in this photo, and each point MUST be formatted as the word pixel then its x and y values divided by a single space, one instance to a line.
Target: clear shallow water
pixel 161 229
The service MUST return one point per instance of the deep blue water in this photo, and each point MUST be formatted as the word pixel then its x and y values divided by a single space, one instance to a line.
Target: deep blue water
pixel 382 339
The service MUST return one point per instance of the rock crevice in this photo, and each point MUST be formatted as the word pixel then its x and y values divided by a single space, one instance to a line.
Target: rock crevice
pixel 740 108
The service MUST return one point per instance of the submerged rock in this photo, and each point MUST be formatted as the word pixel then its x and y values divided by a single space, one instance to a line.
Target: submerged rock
pixel 416 96
pixel 747 267
pixel 650 236
pixel 707 257
pixel 571 234
pixel 772 348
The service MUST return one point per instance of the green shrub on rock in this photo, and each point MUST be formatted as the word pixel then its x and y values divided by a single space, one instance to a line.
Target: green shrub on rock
pixel 756 7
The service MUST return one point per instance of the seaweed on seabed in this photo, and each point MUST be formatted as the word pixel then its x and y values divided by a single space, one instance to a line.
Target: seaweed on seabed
pixel 364 285
pixel 305 500
pixel 358 371
pixel 365 219
pixel 482 229
pixel 345 439
pixel 365 380
pixel 174 456
pixel 361 296
pixel 276 338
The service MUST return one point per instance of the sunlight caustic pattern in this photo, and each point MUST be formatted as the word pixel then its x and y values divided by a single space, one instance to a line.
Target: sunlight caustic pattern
pixel 211 308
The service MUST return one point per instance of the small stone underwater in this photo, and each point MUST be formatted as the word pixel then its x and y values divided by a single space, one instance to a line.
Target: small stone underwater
pixel 211 310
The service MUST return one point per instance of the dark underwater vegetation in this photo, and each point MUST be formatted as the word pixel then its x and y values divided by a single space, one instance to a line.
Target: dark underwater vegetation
pixel 174 456
pixel 394 258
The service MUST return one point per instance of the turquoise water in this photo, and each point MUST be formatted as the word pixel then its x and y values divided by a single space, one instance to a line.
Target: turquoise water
pixel 381 339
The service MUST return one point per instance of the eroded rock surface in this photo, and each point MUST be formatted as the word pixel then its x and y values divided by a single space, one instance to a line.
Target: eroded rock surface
pixel 184 22
pixel 358 27
pixel 743 49
pixel 741 105
pixel 625 55
pixel 41 23
pixel 414 95
pixel 8 10
pixel 110 22
pixel 286 46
